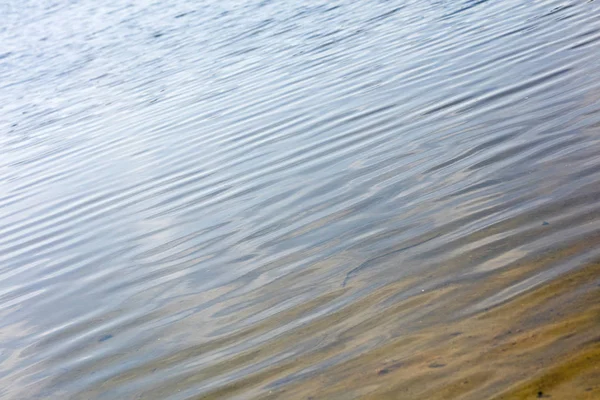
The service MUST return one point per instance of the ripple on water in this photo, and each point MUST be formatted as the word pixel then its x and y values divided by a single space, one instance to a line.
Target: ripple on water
pixel 263 199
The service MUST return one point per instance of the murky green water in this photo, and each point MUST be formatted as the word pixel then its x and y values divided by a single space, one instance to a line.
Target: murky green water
pixel 300 200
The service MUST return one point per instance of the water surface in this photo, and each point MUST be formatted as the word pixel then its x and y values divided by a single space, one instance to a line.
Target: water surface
pixel 299 200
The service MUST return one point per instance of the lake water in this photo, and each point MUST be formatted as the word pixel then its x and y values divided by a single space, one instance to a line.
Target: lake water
pixel 299 200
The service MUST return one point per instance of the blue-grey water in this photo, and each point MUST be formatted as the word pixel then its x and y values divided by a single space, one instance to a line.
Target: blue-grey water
pixel 299 200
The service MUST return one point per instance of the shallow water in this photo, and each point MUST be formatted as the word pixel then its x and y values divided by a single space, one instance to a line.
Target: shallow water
pixel 300 200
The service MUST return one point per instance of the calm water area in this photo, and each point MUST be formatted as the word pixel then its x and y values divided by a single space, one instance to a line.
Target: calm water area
pixel 261 199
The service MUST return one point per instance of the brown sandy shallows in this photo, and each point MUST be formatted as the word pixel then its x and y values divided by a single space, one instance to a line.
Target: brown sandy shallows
pixel 544 343
pixel 481 336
